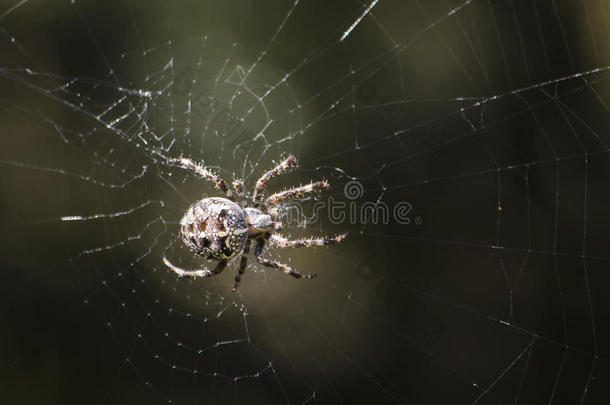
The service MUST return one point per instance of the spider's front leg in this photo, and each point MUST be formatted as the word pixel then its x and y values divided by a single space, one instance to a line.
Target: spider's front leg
pixel 274 199
pixel 290 163
pixel 307 242
pixel 239 188
pixel 258 251
pixel 206 174
pixel 195 273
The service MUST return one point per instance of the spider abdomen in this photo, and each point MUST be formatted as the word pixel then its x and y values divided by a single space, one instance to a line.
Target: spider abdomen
pixel 215 228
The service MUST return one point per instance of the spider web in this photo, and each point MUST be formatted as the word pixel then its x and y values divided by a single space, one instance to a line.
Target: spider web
pixel 486 122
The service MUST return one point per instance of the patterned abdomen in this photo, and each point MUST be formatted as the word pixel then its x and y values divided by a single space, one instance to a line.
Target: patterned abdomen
pixel 215 228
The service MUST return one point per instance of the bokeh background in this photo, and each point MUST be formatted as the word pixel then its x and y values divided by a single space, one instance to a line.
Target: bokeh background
pixel 488 119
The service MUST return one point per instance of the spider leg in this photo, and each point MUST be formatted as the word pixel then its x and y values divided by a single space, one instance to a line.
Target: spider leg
pixel 239 187
pixel 296 192
pixel 308 242
pixel 287 164
pixel 258 251
pixel 206 174
pixel 242 265
pixel 195 273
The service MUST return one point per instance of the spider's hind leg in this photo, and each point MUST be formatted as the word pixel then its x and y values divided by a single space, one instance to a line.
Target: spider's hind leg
pixel 258 251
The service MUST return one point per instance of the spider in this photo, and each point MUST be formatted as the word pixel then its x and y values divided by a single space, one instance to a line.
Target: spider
pixel 219 228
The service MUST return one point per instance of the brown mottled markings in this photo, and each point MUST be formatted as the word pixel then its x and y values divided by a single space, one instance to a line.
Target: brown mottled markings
pixel 211 225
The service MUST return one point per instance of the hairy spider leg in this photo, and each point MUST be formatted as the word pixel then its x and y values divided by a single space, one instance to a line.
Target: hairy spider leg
pixel 290 163
pixel 195 273
pixel 239 187
pixel 307 242
pixel 242 265
pixel 258 251
pixel 206 174
pixel 274 199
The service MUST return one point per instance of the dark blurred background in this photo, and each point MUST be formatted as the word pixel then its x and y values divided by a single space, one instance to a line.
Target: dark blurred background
pixel 489 120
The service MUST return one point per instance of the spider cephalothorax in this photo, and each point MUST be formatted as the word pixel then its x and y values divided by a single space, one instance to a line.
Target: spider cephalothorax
pixel 219 228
